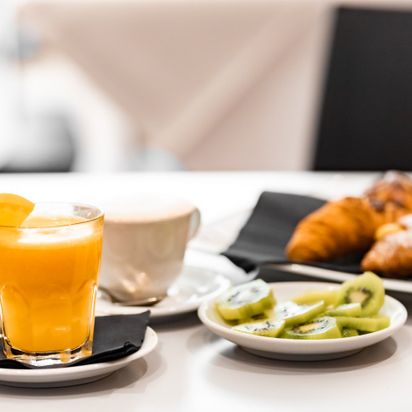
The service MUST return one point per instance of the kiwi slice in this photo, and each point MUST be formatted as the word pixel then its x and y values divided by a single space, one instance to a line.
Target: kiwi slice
pixel 246 300
pixel 294 314
pixel 271 328
pixel 371 324
pixel 366 289
pixel 325 327
pixel 347 309
pixel 348 332
pixel 328 296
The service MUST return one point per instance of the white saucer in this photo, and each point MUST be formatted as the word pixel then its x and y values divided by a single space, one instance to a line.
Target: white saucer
pixel 307 350
pixel 194 286
pixel 74 375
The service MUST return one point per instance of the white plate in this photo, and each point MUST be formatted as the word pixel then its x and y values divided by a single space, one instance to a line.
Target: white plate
pixel 394 285
pixel 217 237
pixel 194 286
pixel 307 350
pixel 74 375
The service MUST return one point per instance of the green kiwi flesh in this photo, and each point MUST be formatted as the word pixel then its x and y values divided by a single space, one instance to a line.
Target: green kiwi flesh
pixel 366 289
pixel 294 314
pixel 347 309
pixel 348 332
pixel 371 324
pixel 246 300
pixel 328 296
pixel 325 327
pixel 271 328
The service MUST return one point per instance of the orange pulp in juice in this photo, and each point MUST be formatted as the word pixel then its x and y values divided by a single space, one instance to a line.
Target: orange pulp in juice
pixel 48 277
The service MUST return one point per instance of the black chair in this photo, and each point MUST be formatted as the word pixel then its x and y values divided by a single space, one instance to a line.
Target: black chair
pixel 366 113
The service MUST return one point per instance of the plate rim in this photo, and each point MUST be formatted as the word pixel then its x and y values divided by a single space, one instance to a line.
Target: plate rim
pixel 363 340
pixel 150 342
pixel 390 284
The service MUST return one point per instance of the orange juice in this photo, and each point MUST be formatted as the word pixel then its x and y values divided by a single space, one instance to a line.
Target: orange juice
pixel 48 277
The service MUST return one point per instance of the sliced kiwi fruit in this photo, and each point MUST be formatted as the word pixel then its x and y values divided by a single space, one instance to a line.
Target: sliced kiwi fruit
pixel 349 332
pixel 366 289
pixel 324 327
pixel 347 309
pixel 246 300
pixel 271 328
pixel 294 314
pixel 328 296
pixel 267 314
pixel 371 324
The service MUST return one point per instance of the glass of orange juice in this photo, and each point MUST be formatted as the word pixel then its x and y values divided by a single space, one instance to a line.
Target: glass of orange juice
pixel 48 279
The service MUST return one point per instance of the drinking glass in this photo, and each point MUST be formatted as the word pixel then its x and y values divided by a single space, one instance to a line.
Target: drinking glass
pixel 48 279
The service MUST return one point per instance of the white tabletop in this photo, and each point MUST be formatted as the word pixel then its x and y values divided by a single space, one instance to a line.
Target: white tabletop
pixel 193 370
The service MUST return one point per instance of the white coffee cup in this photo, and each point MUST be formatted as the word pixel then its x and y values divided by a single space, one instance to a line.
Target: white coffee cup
pixel 144 244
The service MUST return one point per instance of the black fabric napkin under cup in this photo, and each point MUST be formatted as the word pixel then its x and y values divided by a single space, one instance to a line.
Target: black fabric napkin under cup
pixel 115 337
pixel 263 238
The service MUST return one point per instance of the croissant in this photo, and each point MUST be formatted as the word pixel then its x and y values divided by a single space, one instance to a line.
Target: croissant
pixel 336 229
pixel 348 225
pixel 391 256
pixel 394 188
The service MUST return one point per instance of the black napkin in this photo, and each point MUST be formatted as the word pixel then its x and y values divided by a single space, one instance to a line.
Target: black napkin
pixel 115 337
pixel 263 238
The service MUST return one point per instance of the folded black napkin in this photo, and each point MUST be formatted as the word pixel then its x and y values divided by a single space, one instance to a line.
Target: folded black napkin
pixel 115 337
pixel 263 238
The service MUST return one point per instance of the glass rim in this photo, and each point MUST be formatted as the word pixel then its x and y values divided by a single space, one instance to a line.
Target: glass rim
pixel 100 214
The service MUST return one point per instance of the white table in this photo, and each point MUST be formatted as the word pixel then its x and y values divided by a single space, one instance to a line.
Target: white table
pixel 193 370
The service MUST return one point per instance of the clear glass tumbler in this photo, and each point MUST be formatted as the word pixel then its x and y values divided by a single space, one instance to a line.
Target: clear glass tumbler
pixel 48 280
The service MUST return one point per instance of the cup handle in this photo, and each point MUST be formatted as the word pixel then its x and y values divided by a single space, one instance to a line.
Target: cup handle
pixel 195 221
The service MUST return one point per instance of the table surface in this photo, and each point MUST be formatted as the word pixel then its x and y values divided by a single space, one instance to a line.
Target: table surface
pixel 193 370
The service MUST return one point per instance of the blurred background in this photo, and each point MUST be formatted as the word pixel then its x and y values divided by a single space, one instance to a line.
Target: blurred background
pixel 119 85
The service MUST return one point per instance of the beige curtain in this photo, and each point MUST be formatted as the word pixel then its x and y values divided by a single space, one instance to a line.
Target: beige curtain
pixel 220 84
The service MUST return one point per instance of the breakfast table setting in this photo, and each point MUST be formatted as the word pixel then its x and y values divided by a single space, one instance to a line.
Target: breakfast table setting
pixel 232 297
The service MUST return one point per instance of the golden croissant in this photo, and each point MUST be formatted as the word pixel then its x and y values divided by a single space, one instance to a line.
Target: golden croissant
pixel 391 255
pixel 348 225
